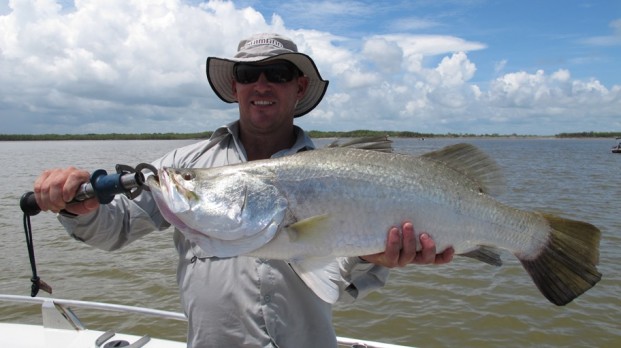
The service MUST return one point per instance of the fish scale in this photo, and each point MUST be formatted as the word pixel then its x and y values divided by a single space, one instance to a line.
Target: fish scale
pixel 365 187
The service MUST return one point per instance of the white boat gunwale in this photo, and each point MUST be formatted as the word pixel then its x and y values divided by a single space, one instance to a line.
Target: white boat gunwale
pixel 57 315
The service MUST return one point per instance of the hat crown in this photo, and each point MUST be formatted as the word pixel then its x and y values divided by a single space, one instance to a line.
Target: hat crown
pixel 265 45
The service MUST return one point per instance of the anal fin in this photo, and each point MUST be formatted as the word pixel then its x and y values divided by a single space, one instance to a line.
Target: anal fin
pixel 485 254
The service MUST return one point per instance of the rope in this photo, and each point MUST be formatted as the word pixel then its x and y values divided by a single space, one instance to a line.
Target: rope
pixel 37 283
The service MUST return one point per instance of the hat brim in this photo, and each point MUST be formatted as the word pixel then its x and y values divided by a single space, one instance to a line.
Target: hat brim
pixel 220 77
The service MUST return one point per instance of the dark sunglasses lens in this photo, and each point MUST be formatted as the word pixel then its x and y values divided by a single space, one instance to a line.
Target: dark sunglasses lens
pixel 246 73
pixel 275 73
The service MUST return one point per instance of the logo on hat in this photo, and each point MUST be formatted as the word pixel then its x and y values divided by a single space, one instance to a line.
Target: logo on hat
pixel 261 42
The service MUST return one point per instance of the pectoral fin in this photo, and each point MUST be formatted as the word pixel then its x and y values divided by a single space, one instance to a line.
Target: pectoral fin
pixel 308 229
pixel 320 275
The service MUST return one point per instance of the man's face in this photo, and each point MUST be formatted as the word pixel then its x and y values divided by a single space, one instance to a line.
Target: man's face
pixel 267 94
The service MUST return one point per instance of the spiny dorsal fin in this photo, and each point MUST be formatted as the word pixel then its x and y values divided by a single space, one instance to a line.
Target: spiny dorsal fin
pixel 473 163
pixel 379 143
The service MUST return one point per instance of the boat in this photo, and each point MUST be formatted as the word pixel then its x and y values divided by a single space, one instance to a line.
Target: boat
pixel 61 327
pixel 616 148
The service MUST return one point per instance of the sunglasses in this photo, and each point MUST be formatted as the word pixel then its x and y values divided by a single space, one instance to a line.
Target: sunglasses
pixel 279 72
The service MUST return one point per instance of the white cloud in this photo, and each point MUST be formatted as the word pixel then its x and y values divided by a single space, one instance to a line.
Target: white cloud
pixel 614 39
pixel 386 55
pixel 557 90
pixel 117 56
pixel 500 66
pixel 133 66
pixel 412 23
pixel 545 102
pixel 433 44
pixel 455 70
pixel 562 75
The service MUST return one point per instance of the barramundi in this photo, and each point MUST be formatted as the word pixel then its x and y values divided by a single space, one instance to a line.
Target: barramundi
pixel 314 206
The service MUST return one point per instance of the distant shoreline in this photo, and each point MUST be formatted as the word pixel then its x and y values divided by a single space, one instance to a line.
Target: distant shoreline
pixel 313 134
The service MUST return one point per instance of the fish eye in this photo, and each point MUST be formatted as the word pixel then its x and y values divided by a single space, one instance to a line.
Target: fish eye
pixel 187 176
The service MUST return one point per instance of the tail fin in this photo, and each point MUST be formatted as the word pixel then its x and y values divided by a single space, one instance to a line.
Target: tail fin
pixel 566 267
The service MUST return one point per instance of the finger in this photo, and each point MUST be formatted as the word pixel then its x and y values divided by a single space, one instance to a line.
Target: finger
pixel 55 191
pixel 72 180
pixel 50 191
pixel 428 250
pixel 39 191
pixel 393 248
pixel 408 249
pixel 446 256
pixel 83 207
pixel 389 257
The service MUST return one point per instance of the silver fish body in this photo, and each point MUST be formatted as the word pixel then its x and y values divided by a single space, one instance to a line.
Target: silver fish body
pixel 318 205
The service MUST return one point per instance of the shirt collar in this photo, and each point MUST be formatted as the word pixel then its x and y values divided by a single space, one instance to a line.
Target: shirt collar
pixel 302 141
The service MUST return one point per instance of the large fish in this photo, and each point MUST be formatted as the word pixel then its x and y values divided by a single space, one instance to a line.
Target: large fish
pixel 314 206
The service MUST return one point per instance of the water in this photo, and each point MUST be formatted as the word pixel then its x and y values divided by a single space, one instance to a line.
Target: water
pixel 465 303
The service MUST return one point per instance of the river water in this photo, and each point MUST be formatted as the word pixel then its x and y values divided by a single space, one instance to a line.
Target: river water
pixel 465 303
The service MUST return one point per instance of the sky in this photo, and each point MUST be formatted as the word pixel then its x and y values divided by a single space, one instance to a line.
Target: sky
pixel 527 67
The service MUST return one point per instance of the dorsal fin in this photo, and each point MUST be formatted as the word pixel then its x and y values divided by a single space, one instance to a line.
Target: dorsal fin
pixel 473 163
pixel 379 143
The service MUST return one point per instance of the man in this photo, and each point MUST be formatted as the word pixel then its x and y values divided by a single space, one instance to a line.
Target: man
pixel 240 301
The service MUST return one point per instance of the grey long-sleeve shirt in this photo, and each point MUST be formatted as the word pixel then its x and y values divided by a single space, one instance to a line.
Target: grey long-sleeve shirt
pixel 238 301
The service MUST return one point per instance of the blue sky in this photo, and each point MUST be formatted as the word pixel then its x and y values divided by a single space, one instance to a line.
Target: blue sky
pixel 524 67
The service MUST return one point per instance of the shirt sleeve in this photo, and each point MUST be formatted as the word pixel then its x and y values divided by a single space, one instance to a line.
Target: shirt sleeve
pixel 122 221
pixel 360 278
pixel 117 223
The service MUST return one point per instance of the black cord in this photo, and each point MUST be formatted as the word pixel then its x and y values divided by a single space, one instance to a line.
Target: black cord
pixel 37 283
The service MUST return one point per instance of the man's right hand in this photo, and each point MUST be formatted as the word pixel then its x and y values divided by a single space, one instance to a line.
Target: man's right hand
pixel 54 188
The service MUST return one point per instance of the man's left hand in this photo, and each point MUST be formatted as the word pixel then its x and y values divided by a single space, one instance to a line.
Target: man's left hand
pixel 401 249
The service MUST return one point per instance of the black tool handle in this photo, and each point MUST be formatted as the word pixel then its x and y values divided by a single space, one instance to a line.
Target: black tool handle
pixel 102 185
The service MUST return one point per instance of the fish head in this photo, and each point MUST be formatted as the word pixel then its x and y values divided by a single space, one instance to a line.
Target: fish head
pixel 222 203
pixel 160 189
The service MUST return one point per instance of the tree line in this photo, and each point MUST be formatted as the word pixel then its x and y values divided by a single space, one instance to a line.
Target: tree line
pixel 313 134
pixel 109 136
pixel 590 135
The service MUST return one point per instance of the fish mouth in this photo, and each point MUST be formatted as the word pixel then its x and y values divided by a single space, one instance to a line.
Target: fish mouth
pixel 163 199
pixel 158 185
pixel 170 196
pixel 153 182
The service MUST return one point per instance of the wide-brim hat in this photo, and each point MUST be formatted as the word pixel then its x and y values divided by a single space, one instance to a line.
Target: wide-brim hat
pixel 262 48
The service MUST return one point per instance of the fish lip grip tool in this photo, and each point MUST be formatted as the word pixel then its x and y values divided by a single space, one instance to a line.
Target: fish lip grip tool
pixel 127 180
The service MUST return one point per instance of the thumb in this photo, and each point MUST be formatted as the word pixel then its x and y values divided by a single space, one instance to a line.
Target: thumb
pixel 84 207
